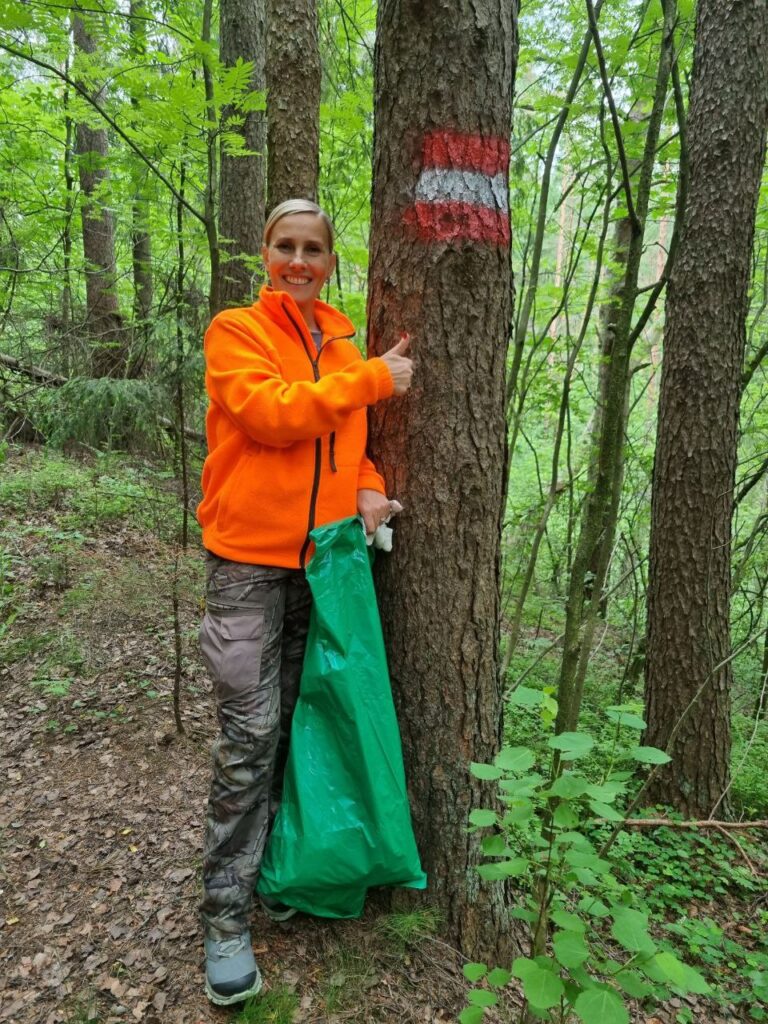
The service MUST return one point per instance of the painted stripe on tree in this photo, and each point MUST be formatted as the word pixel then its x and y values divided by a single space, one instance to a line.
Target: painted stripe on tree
pixel 462 191
pixel 439 185
pixel 450 222
pixel 486 154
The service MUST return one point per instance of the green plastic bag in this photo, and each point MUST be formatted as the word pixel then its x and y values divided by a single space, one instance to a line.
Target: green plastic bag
pixel 344 823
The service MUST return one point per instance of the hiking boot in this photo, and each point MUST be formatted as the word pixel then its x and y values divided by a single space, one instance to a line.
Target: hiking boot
pixel 231 973
pixel 275 910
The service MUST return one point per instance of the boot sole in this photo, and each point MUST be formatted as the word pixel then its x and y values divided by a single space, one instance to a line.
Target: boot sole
pixel 238 997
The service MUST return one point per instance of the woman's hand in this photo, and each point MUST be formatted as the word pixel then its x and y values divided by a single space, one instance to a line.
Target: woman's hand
pixel 375 508
pixel 400 366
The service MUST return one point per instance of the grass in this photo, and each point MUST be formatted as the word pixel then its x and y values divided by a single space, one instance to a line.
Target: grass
pixel 109 490
pixel 401 930
pixel 277 1005
pixel 349 975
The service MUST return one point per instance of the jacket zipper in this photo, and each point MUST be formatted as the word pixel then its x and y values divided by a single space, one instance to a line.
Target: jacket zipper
pixel 318 442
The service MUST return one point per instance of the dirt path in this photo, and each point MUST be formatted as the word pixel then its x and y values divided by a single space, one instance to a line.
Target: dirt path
pixel 101 811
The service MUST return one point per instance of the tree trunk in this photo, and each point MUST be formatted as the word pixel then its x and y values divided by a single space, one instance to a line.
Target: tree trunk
pixel 67 315
pixel 141 240
pixel 440 269
pixel 687 684
pixel 601 506
pixel 293 100
pixel 211 193
pixel 241 214
pixel 104 323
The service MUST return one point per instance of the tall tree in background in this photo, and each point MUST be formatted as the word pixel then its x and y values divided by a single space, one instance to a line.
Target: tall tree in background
pixel 601 507
pixel 141 240
pixel 241 216
pixel 104 323
pixel 293 100
pixel 688 678
pixel 440 270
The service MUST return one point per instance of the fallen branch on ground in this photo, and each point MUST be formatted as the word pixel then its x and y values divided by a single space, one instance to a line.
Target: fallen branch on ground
pixel 708 823
pixel 55 381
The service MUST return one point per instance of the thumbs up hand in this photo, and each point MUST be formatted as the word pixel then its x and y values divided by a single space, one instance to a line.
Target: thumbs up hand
pixel 399 365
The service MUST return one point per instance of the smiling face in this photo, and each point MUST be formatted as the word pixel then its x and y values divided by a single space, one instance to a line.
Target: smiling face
pixel 299 260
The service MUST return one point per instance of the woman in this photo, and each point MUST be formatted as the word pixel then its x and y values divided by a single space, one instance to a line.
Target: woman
pixel 286 429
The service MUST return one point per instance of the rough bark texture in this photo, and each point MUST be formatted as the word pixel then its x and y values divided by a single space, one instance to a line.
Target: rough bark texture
pixel 293 100
pixel 241 215
pixel 689 577
pixel 141 240
pixel 444 68
pixel 104 323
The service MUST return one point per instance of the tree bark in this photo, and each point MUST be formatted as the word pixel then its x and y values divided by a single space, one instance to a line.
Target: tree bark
pixel 293 100
pixel 104 323
pixel 687 684
pixel 241 214
pixel 141 240
pixel 440 270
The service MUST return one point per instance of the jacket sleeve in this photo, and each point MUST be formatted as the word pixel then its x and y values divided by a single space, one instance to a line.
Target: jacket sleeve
pixel 369 478
pixel 243 377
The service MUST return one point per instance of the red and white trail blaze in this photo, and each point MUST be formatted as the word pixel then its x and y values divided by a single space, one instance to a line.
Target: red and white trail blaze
pixel 462 191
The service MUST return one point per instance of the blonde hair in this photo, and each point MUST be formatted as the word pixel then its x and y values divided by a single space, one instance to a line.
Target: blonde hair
pixel 290 206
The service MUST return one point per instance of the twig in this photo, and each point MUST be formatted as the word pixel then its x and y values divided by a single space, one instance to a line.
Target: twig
pixel 636 227
pixel 706 823
pixel 739 847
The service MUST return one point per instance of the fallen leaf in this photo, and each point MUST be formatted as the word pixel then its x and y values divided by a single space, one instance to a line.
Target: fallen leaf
pixel 181 874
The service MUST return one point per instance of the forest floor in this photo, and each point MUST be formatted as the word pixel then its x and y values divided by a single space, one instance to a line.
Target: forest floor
pixel 102 802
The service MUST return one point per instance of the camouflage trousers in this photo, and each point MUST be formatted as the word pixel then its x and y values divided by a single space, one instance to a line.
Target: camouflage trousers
pixel 252 639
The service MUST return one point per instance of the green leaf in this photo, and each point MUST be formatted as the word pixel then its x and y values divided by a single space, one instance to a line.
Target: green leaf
pixel 680 975
pixel 542 987
pixel 471 1015
pixel 649 755
pixel 601 1006
pixel 568 922
pixel 633 984
pixel 493 846
pixel 523 914
pixel 607 792
pixel 630 929
pixel 519 812
pixel 485 771
pixel 565 816
pixel 499 977
pixel 621 715
pixel 522 787
pixel 482 997
pixel 483 819
pixel 591 861
pixel 503 869
pixel 569 786
pixel 525 697
pixel 571 744
pixel 474 971
pixel 605 811
pixel 515 759
pixel 570 948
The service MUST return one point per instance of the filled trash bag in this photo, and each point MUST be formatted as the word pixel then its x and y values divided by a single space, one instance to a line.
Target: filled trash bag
pixel 344 823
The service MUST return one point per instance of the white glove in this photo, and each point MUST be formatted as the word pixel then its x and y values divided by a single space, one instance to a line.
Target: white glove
pixel 382 537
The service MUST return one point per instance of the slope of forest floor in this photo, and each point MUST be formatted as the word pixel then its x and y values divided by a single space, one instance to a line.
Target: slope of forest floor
pixel 102 801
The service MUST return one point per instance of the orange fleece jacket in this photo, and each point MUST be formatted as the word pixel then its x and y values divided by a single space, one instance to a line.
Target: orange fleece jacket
pixel 286 429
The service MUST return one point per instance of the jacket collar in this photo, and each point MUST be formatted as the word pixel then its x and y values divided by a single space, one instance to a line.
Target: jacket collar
pixel 278 304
